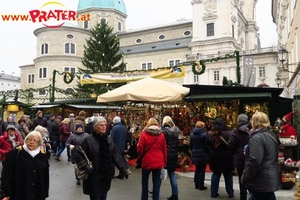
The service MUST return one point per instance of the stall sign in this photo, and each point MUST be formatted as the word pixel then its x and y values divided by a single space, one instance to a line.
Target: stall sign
pixel 175 72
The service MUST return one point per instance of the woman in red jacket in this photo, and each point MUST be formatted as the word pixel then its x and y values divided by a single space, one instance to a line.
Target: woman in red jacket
pixel 152 147
pixel 9 140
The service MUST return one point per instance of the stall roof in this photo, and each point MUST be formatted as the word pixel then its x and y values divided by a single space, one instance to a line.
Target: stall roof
pixel 88 106
pixel 217 97
pixel 45 106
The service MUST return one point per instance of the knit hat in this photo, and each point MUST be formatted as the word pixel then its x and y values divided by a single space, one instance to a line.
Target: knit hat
pixel 242 118
pixel 77 126
pixel 288 117
pixel 116 120
pixel 72 115
pixel 11 127
pixel 59 117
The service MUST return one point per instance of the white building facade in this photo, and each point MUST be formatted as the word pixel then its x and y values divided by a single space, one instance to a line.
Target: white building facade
pixel 217 28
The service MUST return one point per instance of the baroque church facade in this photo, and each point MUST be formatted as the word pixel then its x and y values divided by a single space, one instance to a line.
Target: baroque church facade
pixel 217 28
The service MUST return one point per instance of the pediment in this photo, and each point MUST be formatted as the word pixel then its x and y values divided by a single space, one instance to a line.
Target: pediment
pixel 209 16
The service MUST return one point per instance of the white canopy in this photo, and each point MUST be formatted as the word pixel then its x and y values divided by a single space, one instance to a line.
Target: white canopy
pixel 146 90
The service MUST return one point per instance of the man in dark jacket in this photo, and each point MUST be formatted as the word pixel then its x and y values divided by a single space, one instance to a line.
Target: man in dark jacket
pixel 119 135
pixel 40 120
pixel 238 139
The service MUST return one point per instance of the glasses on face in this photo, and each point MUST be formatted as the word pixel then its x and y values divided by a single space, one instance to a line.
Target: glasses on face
pixel 33 140
pixel 102 125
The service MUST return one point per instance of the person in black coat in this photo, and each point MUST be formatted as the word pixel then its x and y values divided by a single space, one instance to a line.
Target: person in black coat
pixel 89 125
pixel 102 152
pixel 25 172
pixel 171 132
pixel 220 158
pixel 199 154
pixel 40 120
pixel 55 135
pixel 238 139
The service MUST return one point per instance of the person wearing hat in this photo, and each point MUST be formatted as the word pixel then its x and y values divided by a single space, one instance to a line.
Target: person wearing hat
pixel 74 141
pixel 287 130
pixel 40 120
pixel 238 139
pixel 9 140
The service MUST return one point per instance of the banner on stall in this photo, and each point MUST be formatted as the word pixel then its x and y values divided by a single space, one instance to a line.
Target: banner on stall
pixel 164 73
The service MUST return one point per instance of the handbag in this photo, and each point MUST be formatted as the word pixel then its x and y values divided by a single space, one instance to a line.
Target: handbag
pixel 80 167
pixel 138 163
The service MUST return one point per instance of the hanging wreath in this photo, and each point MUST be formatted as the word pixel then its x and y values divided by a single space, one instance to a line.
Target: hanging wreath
pixel 68 77
pixel 198 67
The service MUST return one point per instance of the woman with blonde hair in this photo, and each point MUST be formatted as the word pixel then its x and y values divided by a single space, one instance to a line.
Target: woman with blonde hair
pixel 261 174
pixel 46 143
pixel 153 150
pixel 65 132
pixel 199 154
pixel 171 132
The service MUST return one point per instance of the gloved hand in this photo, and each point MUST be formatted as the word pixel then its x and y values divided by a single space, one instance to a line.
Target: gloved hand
pixel 72 146
pixel 88 169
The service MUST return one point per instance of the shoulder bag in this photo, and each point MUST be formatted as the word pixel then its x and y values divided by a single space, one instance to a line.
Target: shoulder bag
pixel 138 163
pixel 80 167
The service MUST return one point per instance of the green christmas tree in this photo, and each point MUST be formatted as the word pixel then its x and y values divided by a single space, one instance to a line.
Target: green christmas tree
pixel 101 55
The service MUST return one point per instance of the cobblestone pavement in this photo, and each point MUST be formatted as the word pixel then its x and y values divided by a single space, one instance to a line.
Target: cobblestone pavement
pixel 63 186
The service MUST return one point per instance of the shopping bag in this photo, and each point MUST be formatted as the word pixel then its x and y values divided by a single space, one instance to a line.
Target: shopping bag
pixel 163 174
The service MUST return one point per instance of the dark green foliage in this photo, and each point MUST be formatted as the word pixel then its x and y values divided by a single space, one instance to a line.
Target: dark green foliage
pixel 101 55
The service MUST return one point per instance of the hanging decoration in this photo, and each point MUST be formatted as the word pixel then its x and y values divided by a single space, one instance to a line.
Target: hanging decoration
pixel 198 67
pixel 68 77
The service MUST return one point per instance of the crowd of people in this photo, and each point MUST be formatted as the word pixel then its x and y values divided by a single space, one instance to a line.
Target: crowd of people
pixel 251 148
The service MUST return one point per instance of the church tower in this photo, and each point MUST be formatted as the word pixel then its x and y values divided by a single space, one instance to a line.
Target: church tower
pixel 112 12
pixel 223 25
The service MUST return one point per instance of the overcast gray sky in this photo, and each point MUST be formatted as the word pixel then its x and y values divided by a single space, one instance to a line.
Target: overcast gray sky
pixel 18 44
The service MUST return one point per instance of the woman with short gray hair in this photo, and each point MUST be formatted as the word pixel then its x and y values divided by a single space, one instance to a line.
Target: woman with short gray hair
pixel 102 152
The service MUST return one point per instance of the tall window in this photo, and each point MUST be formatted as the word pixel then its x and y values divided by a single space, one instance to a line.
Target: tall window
pixel 119 26
pixel 146 66
pixel 43 72
pixel 262 71
pixel 233 31
pixel 70 69
pixel 86 24
pixel 210 29
pixel 196 78
pixel 69 48
pixel 30 78
pixel 44 48
pixel 174 63
pixel 216 75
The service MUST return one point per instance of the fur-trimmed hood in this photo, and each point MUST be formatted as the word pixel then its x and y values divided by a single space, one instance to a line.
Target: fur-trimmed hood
pixel 153 130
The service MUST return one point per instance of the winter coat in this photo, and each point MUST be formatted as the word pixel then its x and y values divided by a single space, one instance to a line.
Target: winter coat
pixel 96 184
pixel 220 158
pixel 29 178
pixel 22 130
pixel 238 139
pixel 261 165
pixel 198 147
pixel 75 139
pixel 55 133
pixel 156 157
pixel 6 145
pixel 89 128
pixel 171 136
pixel 50 124
pixel 64 132
pixel 42 121
pixel 119 135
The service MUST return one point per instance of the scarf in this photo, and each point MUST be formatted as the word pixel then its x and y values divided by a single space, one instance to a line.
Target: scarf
pixel 12 140
pixel 105 162
pixel 33 153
